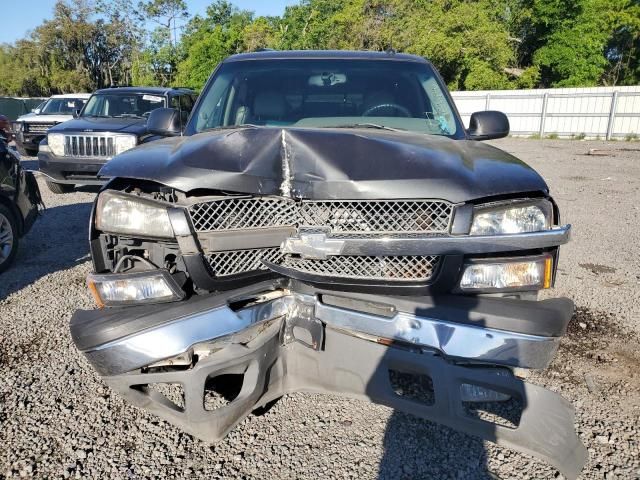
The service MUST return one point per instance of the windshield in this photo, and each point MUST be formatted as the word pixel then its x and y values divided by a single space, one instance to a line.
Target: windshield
pixel 399 95
pixel 62 106
pixel 136 105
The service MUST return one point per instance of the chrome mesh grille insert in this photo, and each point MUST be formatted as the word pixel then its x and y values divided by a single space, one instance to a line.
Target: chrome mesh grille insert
pixel 89 146
pixel 238 261
pixel 398 268
pixel 340 217
pixel 378 216
pixel 336 219
pixel 239 213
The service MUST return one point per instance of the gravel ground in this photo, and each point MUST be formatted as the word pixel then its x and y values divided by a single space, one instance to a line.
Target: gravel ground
pixel 57 419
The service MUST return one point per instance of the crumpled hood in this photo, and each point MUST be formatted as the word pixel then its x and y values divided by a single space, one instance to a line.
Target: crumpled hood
pixel 329 164
pixel 136 126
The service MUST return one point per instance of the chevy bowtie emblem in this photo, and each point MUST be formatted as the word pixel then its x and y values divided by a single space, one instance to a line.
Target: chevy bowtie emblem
pixel 312 245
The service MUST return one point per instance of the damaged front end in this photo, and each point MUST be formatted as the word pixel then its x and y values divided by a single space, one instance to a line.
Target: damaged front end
pixel 220 304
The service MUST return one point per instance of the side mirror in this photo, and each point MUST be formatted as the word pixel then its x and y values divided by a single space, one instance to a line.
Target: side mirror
pixel 487 125
pixel 164 122
pixel 35 110
pixel 76 113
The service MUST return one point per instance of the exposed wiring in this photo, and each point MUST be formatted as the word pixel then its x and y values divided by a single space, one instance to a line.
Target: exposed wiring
pixel 133 258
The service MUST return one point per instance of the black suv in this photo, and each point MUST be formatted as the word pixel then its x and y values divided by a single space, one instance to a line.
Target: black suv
pixel 112 121
pixel 327 224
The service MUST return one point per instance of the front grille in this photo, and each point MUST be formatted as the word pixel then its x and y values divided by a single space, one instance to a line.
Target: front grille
pixel 336 219
pixel 398 268
pixel 89 146
pixel 339 217
pixel 238 261
pixel 37 127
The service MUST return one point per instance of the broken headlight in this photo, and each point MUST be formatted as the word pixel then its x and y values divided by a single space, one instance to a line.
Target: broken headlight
pixel 129 214
pixel 515 217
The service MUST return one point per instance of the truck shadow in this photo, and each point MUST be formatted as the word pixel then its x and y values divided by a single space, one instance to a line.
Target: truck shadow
pixel 57 241
pixel 414 446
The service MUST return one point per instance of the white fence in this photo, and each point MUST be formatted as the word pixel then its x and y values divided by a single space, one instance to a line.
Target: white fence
pixel 606 112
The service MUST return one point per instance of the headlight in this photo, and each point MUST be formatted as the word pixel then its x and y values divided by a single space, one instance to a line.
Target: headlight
pixel 16 127
pixel 122 213
pixel 154 286
pixel 521 217
pixel 125 142
pixel 56 143
pixel 515 274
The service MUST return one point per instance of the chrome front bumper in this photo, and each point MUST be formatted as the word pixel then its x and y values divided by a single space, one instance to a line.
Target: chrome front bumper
pixel 283 338
pixel 470 343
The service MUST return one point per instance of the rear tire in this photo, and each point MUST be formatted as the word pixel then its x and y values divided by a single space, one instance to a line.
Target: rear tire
pixel 8 238
pixel 59 188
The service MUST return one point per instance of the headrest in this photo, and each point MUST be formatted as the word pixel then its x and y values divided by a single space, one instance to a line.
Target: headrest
pixel 270 105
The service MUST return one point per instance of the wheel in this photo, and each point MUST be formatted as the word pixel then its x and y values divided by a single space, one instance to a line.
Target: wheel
pixel 27 152
pixel 8 238
pixel 59 188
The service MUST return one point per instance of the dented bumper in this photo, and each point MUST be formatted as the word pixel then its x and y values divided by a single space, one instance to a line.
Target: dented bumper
pixel 281 337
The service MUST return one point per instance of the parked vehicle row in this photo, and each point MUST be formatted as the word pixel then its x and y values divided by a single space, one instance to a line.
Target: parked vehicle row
pixel 113 121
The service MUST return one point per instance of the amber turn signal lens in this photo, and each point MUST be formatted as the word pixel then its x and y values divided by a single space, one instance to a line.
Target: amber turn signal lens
pixel 548 272
pixel 94 292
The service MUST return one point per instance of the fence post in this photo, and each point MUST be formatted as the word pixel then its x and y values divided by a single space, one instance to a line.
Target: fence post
pixel 543 114
pixel 487 100
pixel 612 114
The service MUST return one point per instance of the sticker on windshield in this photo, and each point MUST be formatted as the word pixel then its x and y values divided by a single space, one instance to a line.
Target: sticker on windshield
pixel 152 98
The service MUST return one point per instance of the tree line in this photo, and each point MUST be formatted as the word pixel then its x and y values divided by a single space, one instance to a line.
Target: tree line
pixel 476 44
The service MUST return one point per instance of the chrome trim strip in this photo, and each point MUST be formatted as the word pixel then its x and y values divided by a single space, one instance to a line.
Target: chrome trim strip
pixel 460 341
pixel 313 246
pixel 453 339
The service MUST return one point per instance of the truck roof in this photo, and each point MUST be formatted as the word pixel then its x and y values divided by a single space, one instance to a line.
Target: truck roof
pixel 150 90
pixel 324 54
pixel 72 95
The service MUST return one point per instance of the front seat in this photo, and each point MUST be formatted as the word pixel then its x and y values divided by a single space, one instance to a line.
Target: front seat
pixel 269 108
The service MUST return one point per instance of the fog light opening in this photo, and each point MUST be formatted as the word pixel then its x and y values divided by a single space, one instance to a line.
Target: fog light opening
pixel 413 386
pixel 491 406
pixel 221 390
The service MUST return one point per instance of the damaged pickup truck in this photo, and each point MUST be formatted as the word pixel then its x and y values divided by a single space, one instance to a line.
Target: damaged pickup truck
pixel 326 224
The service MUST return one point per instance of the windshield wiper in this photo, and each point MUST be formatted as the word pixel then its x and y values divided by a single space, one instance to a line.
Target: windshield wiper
pixel 229 127
pixel 128 115
pixel 368 125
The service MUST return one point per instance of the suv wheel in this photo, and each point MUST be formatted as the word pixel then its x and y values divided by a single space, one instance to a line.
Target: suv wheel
pixel 58 188
pixel 8 238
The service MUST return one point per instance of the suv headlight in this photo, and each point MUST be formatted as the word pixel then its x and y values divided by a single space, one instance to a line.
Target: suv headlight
pixel 515 217
pixel 125 142
pixel 122 213
pixel 16 127
pixel 56 143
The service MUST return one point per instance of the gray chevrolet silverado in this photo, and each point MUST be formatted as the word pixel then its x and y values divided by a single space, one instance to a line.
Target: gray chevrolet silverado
pixel 325 223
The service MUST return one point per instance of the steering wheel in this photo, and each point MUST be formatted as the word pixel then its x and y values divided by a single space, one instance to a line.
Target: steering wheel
pixel 398 108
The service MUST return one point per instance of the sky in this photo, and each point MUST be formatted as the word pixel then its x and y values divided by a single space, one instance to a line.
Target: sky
pixel 17 20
